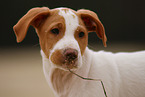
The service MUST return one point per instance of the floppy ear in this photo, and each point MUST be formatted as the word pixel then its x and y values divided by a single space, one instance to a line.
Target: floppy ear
pixel 33 17
pixel 92 23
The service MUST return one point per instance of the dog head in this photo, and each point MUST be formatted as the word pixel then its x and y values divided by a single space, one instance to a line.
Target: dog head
pixel 62 32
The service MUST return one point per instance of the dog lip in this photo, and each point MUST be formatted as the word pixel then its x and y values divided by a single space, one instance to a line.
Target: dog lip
pixel 70 64
pixel 70 61
pixel 70 58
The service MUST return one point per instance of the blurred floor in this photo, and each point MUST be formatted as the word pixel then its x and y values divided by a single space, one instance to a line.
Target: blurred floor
pixel 21 73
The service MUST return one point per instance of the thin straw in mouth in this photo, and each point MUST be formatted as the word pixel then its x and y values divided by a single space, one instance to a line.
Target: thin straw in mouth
pixel 90 79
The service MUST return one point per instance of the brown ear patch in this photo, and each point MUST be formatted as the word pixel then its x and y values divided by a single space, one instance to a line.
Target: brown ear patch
pixel 92 23
pixel 37 22
pixel 91 26
pixel 32 17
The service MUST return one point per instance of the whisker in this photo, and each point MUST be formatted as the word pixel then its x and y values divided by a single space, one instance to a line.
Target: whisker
pixel 90 79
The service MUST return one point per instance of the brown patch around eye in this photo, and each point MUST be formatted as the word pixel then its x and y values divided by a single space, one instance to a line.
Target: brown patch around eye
pixel 46 37
pixel 55 31
pixel 81 36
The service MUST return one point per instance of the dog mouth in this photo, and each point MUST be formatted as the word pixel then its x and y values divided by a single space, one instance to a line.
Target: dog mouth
pixel 70 63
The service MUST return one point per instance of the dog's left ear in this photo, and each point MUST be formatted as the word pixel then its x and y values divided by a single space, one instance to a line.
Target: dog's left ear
pixel 92 23
pixel 34 17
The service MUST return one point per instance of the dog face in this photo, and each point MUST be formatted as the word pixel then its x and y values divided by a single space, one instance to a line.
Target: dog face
pixel 62 32
pixel 68 50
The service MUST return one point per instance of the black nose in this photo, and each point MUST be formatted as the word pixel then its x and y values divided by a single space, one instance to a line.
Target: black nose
pixel 70 54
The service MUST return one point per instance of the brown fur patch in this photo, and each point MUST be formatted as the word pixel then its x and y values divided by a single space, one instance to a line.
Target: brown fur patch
pixel 65 9
pixel 57 58
pixel 73 16
pixel 46 38
pixel 34 17
pixel 92 23
pixel 83 41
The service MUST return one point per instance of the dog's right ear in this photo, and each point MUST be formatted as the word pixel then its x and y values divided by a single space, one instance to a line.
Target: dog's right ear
pixel 34 17
pixel 93 24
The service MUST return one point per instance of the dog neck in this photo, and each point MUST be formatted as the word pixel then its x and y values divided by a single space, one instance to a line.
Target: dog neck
pixel 62 81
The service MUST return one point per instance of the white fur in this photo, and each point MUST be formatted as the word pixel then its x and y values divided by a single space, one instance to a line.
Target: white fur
pixel 123 74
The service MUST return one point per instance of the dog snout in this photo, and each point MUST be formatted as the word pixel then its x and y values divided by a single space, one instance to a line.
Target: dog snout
pixel 70 54
pixel 65 58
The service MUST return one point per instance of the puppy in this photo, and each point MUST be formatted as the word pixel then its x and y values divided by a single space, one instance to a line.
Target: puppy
pixel 63 37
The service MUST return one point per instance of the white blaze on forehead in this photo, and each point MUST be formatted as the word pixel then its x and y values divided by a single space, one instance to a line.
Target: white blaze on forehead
pixel 71 24
pixel 71 20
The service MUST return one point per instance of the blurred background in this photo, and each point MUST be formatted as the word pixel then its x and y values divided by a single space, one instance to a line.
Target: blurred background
pixel 21 73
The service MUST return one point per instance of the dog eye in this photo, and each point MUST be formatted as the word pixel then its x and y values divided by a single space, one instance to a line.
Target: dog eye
pixel 55 31
pixel 81 34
